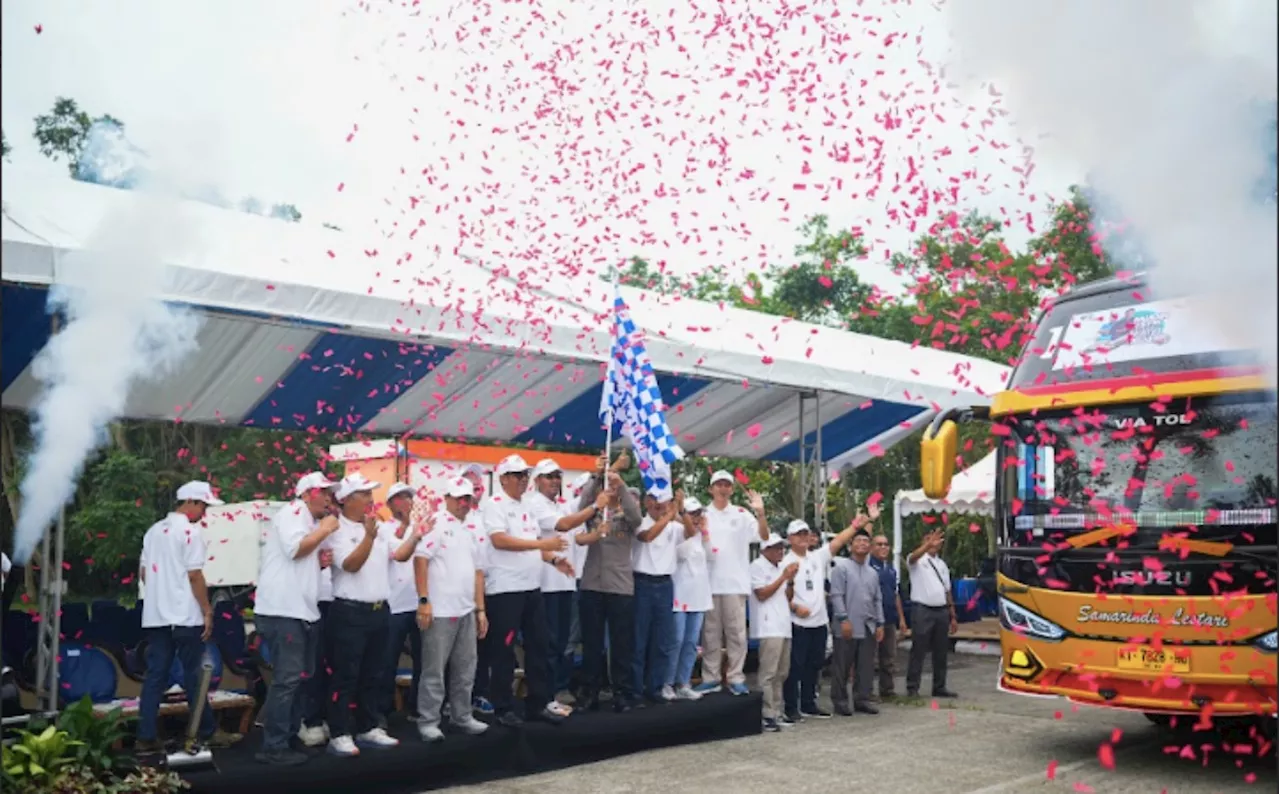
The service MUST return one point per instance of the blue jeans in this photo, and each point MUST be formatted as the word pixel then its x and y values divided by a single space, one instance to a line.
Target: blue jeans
pixel 655 633
pixel 688 632
pixel 162 645
pixel 403 624
pixel 291 644
pixel 559 608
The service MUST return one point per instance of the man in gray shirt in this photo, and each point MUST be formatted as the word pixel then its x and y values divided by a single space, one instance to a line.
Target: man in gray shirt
pixel 607 593
pixel 857 624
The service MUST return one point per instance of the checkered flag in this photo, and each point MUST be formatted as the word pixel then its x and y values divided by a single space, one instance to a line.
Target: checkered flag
pixel 632 398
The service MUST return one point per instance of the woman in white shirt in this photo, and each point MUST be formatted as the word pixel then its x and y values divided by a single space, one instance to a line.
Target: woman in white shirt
pixel 691 586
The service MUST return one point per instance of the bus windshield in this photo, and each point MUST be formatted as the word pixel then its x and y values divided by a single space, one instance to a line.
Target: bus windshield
pixel 1202 468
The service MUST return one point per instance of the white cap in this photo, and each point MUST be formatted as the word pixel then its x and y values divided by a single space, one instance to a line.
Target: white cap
pixel 721 475
pixel 662 494
pixel 692 505
pixel 354 483
pixel 198 491
pixel 774 540
pixel 512 464
pixel 545 466
pixel 312 481
pixel 397 489
pixel 472 468
pixel 796 527
pixel 459 488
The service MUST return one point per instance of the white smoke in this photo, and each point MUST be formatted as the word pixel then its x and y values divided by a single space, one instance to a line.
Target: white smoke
pixel 1168 106
pixel 116 332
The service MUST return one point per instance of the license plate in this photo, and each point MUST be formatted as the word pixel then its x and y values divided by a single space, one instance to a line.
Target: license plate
pixel 1157 661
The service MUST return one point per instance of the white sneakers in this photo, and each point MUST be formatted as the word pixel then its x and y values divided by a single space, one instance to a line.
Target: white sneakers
pixel 668 694
pixel 559 709
pixel 686 692
pixel 313 737
pixel 431 733
pixel 471 726
pixel 377 739
pixel 342 746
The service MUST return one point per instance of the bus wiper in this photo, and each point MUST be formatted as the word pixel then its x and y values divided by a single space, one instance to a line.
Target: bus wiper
pixel 1091 538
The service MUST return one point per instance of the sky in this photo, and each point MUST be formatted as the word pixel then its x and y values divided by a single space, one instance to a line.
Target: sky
pixel 559 136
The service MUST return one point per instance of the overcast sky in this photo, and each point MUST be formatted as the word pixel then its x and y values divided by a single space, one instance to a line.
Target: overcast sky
pixel 657 134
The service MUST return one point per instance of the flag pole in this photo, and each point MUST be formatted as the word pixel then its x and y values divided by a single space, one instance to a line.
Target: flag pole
pixel 608 373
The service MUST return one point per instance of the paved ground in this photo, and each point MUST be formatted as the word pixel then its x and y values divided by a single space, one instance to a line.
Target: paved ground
pixel 985 742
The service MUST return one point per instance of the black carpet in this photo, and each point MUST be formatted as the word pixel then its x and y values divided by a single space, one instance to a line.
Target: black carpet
pixel 501 752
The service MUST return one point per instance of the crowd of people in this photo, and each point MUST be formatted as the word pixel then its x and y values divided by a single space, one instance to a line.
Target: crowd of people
pixel 655 577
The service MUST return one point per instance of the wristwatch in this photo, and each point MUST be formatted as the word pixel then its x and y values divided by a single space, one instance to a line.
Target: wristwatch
pixel 423 601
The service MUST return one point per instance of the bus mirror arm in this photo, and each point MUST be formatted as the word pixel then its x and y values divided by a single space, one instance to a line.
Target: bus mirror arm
pixel 958 415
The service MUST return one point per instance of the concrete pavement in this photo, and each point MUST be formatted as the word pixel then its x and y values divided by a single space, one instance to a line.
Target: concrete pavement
pixel 985 742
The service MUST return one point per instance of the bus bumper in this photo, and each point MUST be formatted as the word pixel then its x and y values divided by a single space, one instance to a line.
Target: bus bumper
pixel 1224 681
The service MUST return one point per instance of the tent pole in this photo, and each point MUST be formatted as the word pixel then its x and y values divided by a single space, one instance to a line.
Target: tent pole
pixel 897 536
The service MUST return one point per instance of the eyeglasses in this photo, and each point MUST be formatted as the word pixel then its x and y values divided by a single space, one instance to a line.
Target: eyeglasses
pixel 882 543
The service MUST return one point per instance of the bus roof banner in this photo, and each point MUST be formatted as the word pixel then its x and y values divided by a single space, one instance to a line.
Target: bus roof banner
pixel 1164 329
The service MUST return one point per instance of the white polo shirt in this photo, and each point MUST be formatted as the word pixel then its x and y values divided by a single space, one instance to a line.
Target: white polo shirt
pixel 771 617
pixel 404 590
pixel 288 588
pixel 452 554
pixel 930 581
pixel 510 571
pixel 691 584
pixel 811 585
pixel 547 514
pixel 730 534
pixel 325 591
pixel 370 584
pixel 172 548
pixel 658 556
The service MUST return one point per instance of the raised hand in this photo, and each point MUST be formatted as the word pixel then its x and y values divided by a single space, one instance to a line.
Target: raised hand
pixel 756 501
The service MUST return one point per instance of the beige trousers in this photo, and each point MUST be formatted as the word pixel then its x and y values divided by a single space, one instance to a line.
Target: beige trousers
pixel 725 629
pixel 775 666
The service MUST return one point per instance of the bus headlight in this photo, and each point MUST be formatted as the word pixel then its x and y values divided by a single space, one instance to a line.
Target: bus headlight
pixel 1027 623
pixel 1267 642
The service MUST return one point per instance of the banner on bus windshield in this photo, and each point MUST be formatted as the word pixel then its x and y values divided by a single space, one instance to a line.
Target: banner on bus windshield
pixel 1152 330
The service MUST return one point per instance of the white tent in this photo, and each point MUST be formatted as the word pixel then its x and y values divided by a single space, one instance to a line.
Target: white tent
pixel 310 328
pixel 972 491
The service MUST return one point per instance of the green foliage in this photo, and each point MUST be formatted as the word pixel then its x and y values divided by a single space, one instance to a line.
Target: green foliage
pixel 97 735
pixel 285 212
pixel 35 760
pixel 64 130
pixel 105 532
pixel 4 146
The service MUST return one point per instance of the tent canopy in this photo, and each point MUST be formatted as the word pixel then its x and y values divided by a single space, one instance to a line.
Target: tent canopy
pixel 972 491
pixel 308 328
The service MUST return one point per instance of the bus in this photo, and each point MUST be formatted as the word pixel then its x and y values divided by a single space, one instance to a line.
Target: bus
pixel 1135 511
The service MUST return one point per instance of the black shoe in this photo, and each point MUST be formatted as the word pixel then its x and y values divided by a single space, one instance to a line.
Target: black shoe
pixel 587 701
pixel 281 757
pixel 944 693
pixel 887 696
pixel 815 712
pixel 771 725
pixel 865 708
pixel 510 719
pixel 621 706
pixel 548 716
pixel 913 693
pixel 791 718
pixel 843 711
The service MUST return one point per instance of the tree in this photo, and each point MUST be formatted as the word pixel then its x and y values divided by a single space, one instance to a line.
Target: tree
pixel 63 132
pixel 285 212
pixel 4 146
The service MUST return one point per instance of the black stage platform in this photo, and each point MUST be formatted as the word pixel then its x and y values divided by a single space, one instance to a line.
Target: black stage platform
pixel 501 752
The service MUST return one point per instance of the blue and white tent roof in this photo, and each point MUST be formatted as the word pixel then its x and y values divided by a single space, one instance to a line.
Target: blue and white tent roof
pixel 307 328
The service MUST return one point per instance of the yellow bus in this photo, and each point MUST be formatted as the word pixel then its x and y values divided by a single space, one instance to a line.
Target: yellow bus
pixel 1136 511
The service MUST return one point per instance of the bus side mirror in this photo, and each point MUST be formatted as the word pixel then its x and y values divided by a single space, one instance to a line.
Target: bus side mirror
pixel 938 458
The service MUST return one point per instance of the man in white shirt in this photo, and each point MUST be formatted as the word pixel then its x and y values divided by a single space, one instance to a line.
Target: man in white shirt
pixel 731 531
pixel 933 615
pixel 450 614
pixel 403 603
pixel 771 624
pixel 359 619
pixel 554 516
pixel 653 564
pixel 809 617
pixel 286 611
pixel 691 600
pixel 516 556
pixel 474 473
pixel 177 617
